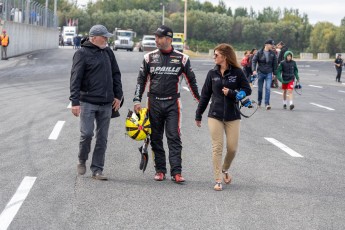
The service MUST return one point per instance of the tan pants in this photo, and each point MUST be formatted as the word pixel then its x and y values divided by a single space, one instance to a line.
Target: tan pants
pixel 232 133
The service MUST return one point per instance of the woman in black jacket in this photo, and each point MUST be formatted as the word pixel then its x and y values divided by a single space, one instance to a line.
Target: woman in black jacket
pixel 226 84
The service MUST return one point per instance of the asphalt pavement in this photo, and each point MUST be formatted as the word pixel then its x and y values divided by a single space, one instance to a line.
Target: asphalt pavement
pixel 288 173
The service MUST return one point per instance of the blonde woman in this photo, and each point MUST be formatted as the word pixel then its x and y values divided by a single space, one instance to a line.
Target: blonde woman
pixel 226 84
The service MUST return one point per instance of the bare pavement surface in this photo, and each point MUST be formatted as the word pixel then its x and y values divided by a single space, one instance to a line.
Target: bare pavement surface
pixel 271 188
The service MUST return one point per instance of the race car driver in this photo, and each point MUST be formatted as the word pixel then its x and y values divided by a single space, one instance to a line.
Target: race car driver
pixel 164 69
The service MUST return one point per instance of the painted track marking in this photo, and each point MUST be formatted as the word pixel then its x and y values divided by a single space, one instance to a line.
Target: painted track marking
pixel 283 147
pixel 321 106
pixel 56 131
pixel 316 86
pixel 186 88
pixel 16 202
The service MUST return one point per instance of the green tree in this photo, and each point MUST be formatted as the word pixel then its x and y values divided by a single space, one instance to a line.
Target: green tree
pixel 269 15
pixel 241 12
pixel 340 41
pixel 323 38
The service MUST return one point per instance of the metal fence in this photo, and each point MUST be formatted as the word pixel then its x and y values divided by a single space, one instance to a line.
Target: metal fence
pixel 26 11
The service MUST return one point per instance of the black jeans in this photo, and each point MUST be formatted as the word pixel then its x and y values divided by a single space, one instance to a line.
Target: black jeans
pixel 90 113
pixel 339 70
pixel 166 115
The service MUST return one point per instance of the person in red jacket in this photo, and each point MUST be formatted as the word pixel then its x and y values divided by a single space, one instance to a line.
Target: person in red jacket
pixel 246 64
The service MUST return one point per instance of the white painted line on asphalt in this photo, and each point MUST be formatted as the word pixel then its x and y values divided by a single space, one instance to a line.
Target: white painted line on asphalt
pixel 309 74
pixel 69 105
pixel 283 147
pixel 278 92
pixel 341 91
pixel 56 131
pixel 321 106
pixel 186 88
pixel 316 86
pixel 16 202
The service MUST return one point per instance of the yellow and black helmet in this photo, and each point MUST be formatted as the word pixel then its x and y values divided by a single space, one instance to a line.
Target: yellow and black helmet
pixel 138 126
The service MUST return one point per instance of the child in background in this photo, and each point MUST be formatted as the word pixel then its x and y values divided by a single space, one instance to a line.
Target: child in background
pixel 286 73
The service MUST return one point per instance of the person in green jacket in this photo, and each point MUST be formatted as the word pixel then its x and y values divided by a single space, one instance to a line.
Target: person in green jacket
pixel 286 73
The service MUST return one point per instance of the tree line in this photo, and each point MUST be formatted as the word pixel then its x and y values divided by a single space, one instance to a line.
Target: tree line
pixel 209 24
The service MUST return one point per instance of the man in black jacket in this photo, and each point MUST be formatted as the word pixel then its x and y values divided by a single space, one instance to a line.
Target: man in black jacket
pixel 165 68
pixel 265 64
pixel 338 63
pixel 96 89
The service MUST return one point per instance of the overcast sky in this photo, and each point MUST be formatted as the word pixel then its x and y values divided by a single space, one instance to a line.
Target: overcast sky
pixel 317 10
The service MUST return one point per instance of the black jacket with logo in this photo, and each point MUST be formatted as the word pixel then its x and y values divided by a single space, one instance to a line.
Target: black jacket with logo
pixel 165 72
pixel 222 107
pixel 95 76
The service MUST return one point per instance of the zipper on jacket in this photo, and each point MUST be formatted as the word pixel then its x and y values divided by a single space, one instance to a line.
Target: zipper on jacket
pixel 105 60
pixel 224 98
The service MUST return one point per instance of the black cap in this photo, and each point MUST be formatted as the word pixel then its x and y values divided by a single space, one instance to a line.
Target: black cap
pixel 164 31
pixel 269 41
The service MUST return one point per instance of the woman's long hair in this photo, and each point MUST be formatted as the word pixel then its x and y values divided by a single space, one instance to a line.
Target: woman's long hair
pixel 229 53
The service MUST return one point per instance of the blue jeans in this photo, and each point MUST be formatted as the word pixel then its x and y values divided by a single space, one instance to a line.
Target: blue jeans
pixel 267 77
pixel 89 113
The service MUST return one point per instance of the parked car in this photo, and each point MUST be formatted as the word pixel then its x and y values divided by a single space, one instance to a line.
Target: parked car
pixel 147 43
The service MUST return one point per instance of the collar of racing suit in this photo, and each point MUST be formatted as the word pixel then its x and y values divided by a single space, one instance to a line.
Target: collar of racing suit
pixel 168 51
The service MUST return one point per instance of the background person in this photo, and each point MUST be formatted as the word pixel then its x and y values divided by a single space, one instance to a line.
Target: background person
pixel 252 77
pixel 225 84
pixel 281 48
pixel 165 69
pixel 246 64
pixel 4 41
pixel 338 63
pixel 286 73
pixel 96 89
pixel 265 66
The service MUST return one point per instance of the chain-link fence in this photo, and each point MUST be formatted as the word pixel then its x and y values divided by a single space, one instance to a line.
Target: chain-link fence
pixel 26 11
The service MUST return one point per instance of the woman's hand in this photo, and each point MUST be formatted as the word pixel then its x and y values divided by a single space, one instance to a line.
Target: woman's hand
pixel 198 123
pixel 225 91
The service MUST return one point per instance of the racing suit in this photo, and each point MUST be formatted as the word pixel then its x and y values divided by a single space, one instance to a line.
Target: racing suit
pixel 164 73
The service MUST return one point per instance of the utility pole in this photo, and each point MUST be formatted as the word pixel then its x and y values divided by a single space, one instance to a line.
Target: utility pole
pixel 46 15
pixel 185 23
pixel 163 16
pixel 55 16
pixel 27 12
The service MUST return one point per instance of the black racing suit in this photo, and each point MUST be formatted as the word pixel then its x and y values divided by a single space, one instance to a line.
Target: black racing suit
pixel 164 73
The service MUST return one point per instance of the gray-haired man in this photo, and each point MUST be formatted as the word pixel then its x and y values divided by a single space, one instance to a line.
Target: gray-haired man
pixel 96 89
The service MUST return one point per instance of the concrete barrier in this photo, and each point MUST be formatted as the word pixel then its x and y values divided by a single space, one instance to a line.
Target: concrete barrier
pixel 210 52
pixel 342 55
pixel 25 38
pixel 306 56
pixel 239 54
pixel 322 56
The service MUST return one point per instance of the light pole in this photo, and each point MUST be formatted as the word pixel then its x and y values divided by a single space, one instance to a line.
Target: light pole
pixel 46 14
pixel 162 4
pixel 185 23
